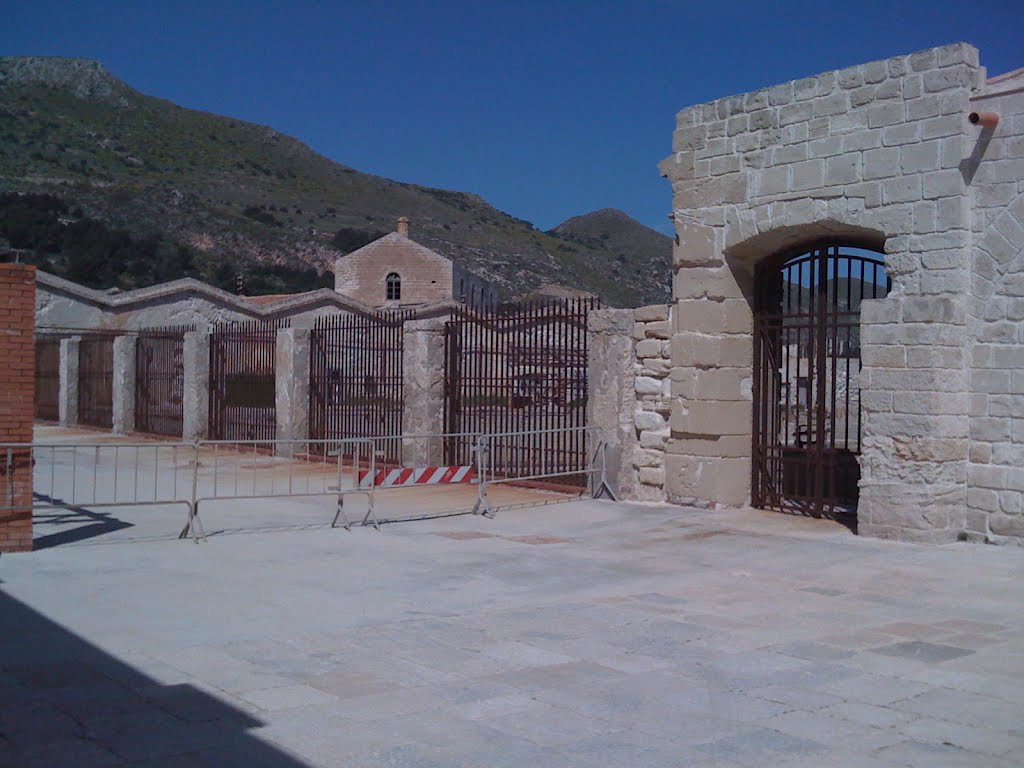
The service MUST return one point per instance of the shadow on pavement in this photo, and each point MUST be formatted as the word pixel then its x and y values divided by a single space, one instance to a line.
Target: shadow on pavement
pixel 87 523
pixel 65 702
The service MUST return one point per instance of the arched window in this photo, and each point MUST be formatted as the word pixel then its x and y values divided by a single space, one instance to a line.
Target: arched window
pixel 394 287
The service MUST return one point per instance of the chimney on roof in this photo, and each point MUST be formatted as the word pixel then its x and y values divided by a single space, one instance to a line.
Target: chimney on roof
pixel 403 226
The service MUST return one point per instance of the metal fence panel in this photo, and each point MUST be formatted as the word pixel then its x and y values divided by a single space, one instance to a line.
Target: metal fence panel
pixel 48 378
pixel 160 380
pixel 519 371
pixel 356 378
pixel 242 381
pixel 96 380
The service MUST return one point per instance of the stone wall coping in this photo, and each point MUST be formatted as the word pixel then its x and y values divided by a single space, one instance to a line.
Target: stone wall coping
pixel 741 98
pixel 188 287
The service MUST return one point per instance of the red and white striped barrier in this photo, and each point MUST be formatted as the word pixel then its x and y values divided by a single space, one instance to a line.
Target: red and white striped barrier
pixel 393 478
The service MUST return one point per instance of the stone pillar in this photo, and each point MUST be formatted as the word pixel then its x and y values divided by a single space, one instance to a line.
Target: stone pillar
pixel 916 426
pixel 196 395
pixel 423 391
pixel 68 405
pixel 611 393
pixel 709 451
pixel 291 388
pixel 652 330
pixel 124 385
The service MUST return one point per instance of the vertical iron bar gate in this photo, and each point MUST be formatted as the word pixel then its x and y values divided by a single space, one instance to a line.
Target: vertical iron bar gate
pixel 96 380
pixel 48 378
pixel 519 368
pixel 355 387
pixel 160 380
pixel 807 417
pixel 242 380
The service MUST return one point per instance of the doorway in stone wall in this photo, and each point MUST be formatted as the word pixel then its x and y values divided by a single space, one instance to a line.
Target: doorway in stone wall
pixel 806 384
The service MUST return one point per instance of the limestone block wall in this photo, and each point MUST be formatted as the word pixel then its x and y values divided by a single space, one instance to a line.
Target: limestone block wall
pixel 995 470
pixel 874 156
pixel 652 330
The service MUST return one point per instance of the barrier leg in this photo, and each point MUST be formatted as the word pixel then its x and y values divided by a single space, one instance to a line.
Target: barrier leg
pixel 603 487
pixel 341 513
pixel 193 525
pixel 370 516
pixel 483 504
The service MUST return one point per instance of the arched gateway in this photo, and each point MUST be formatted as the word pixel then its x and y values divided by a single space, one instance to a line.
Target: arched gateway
pixel 806 383
pixel 910 156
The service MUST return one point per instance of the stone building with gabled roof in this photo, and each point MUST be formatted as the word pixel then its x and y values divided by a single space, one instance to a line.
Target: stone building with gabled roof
pixel 395 271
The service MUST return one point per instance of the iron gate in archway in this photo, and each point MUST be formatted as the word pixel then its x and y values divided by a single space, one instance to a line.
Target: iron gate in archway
pixel 807 414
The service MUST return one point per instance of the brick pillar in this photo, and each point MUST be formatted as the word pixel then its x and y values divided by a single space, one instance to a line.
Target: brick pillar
pixel 68 403
pixel 196 395
pixel 124 384
pixel 611 393
pixel 17 403
pixel 423 391
pixel 291 387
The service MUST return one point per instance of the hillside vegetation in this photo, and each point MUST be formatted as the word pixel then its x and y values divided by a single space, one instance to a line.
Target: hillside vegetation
pixel 243 198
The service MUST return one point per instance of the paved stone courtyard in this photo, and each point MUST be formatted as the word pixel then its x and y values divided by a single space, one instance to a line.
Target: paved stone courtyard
pixel 577 634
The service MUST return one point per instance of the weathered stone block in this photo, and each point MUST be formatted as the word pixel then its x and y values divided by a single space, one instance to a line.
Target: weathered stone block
pixel 655 367
pixel 808 175
pixel 654 438
pixel 654 312
pixel 652 476
pixel 649 420
pixel 1006 525
pixel 646 385
pixel 881 163
pixel 700 351
pixel 661 329
pixel 713 417
pixel 649 348
pixel 695 245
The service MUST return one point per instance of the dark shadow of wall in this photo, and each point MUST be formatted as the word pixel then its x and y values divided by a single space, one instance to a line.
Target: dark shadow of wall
pixel 64 702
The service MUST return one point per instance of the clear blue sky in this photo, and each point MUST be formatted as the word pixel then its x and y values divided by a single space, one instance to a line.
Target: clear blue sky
pixel 547 109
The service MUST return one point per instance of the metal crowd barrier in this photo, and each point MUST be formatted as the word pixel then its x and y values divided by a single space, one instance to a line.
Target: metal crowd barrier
pixel 80 475
pixel 76 476
pixel 262 478
pixel 488 473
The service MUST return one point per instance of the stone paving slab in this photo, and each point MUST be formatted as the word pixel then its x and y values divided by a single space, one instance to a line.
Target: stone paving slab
pixel 580 634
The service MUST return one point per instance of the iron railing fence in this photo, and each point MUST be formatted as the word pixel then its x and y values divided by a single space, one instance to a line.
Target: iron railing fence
pixel 356 378
pixel 160 380
pixel 242 382
pixel 519 370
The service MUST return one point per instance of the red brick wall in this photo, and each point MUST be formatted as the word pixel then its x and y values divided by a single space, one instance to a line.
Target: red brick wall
pixel 17 395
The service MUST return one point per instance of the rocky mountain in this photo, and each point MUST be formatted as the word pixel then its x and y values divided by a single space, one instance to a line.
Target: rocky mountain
pixel 232 191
